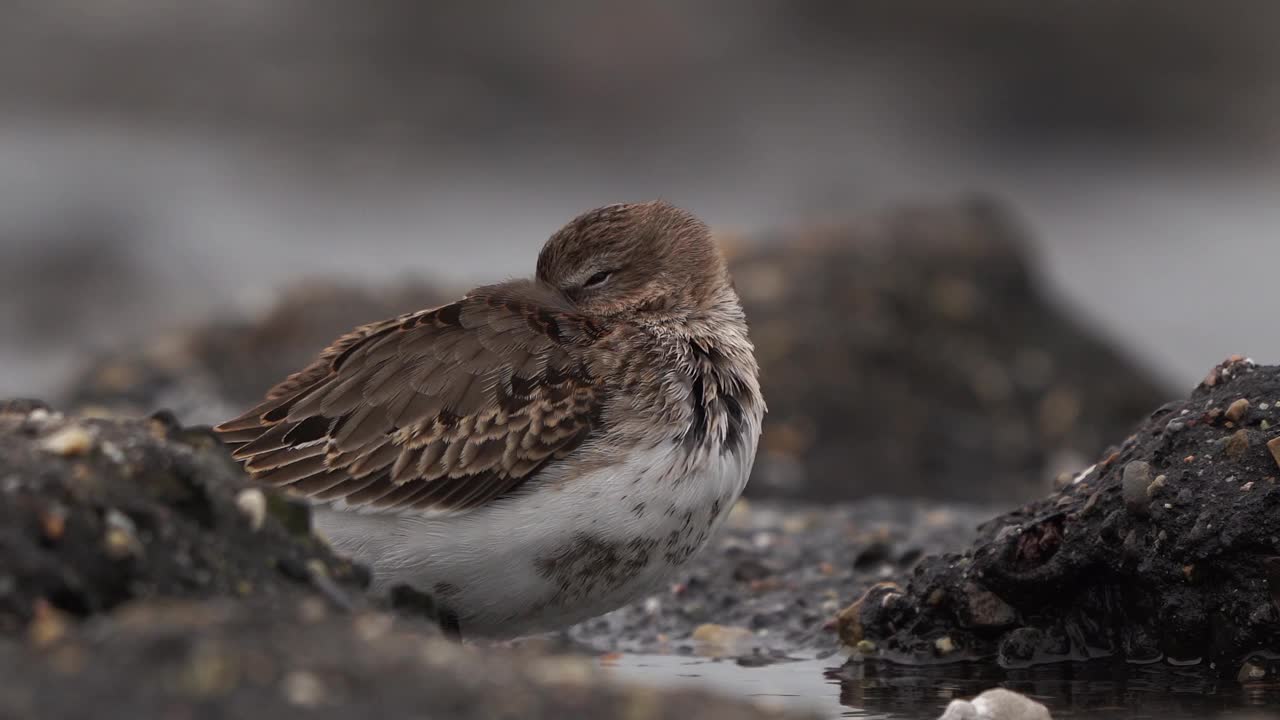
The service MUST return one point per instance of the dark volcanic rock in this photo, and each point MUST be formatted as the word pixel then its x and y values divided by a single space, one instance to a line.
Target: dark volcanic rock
pixel 915 353
pixel 771 582
pixel 1191 573
pixel 219 660
pixel 210 373
pixel 96 512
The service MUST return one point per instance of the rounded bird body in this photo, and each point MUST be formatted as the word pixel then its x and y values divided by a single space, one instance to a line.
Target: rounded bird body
pixel 540 451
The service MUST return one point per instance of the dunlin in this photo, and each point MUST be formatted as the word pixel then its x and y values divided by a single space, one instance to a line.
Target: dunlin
pixel 541 451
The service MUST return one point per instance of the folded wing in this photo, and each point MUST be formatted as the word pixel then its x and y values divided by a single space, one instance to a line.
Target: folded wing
pixel 445 409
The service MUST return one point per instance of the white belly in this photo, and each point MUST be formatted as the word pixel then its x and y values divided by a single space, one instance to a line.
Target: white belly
pixel 558 552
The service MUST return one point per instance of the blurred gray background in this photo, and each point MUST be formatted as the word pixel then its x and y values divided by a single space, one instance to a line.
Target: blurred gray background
pixel 162 161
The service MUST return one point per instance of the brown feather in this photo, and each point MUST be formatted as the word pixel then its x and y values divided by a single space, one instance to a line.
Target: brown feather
pixel 448 408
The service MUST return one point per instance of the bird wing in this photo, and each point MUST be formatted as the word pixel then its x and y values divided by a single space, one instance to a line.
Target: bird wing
pixel 444 409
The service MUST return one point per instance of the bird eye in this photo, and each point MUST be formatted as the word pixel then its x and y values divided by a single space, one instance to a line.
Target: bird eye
pixel 597 279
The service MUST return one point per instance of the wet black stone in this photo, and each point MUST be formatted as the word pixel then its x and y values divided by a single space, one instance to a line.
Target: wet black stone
pixel 1089 578
pixel 873 555
pixel 749 570
pixel 185 534
pixel 1021 646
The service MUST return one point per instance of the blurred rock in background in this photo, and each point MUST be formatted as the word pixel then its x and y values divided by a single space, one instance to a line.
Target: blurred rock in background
pixel 913 353
pixel 212 372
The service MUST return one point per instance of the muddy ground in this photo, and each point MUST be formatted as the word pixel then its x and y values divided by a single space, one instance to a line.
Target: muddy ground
pixel 1167 550
pixel 771 583
pixel 237 659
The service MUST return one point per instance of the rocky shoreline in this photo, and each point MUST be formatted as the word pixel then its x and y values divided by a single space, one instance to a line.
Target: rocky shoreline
pixel 1168 549
pixel 131 545
pixel 98 512
pixel 137 540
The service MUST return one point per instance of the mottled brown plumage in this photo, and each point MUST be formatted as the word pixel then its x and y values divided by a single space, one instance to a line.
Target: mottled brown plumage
pixel 445 408
pixel 453 407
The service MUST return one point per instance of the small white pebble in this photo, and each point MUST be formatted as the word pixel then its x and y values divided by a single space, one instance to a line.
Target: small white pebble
pixel 996 704
pixel 303 689
pixel 1085 473
pixel 67 441
pixel 372 626
pixel 253 503
pixel 113 452
pixel 652 606
pixel 122 535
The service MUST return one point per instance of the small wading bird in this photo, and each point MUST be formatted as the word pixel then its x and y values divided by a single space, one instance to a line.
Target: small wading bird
pixel 541 451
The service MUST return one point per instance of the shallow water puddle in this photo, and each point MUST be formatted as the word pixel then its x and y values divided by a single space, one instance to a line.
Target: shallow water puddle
pixel 801 685
pixel 1092 691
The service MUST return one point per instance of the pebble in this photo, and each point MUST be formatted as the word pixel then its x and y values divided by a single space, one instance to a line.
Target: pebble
pixel 1236 410
pixel 984 608
pixel 1155 486
pixel 722 640
pixel 113 453
pixel 122 536
pixel 253 503
pixel 1274 446
pixel 303 689
pixel 68 441
pixel 996 704
pixel 877 553
pixel 1238 443
pixel 1250 672
pixel 48 625
pixel 1135 481
pixel 944 645
pixel 53 523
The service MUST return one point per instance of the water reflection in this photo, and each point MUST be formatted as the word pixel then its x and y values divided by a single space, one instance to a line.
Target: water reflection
pixel 1096 690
